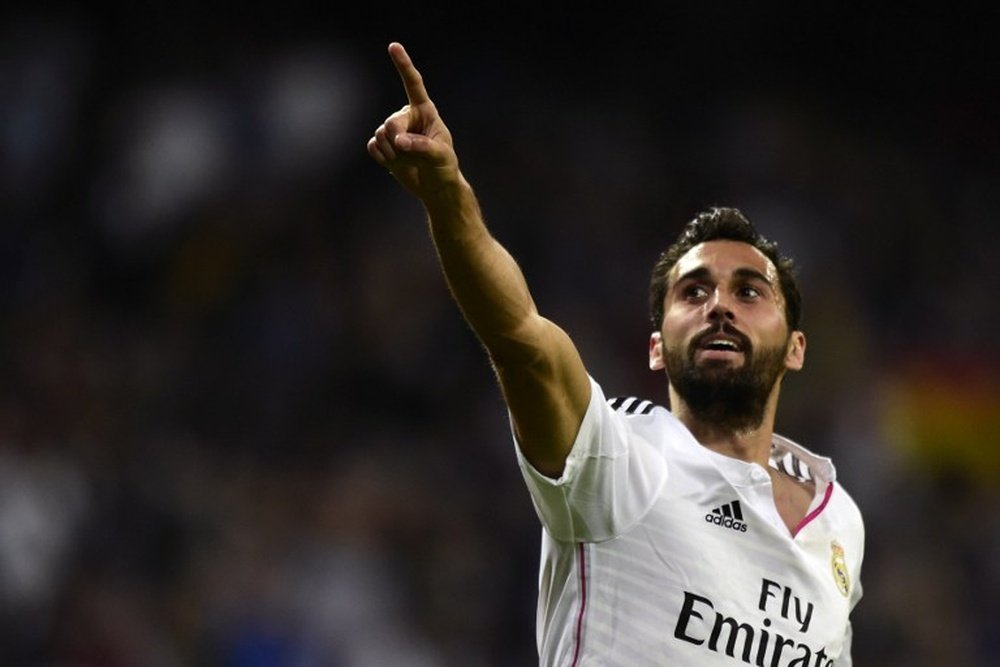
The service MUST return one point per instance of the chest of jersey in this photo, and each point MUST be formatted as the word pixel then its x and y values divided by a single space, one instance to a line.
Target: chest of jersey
pixel 712 575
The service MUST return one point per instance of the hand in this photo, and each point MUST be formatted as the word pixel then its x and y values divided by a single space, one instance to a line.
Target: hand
pixel 414 144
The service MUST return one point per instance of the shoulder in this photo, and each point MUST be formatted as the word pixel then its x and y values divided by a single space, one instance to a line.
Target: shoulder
pixel 647 419
pixel 641 412
pixel 848 506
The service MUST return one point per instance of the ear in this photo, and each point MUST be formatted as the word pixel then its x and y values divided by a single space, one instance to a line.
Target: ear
pixel 796 356
pixel 656 362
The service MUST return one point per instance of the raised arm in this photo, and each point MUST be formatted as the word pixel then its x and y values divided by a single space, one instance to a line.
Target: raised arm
pixel 540 371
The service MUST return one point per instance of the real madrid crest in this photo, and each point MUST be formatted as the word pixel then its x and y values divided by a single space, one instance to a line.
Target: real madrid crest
pixel 839 566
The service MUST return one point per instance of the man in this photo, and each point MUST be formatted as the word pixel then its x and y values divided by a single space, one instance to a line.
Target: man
pixel 695 536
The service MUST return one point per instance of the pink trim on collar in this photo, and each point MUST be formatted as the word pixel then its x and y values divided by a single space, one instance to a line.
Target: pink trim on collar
pixel 815 513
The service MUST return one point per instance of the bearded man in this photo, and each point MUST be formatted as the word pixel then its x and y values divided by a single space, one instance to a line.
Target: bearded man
pixel 690 536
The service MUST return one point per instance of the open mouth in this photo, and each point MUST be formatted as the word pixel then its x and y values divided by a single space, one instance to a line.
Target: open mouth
pixel 721 344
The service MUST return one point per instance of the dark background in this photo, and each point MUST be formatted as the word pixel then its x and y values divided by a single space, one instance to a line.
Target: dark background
pixel 242 424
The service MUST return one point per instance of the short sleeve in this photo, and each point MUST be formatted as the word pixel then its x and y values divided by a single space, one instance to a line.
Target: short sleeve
pixel 613 474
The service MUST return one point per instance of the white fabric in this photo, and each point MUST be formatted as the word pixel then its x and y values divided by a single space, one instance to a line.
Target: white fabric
pixel 634 571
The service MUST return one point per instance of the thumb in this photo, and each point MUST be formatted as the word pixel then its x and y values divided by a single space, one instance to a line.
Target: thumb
pixel 404 142
pixel 419 145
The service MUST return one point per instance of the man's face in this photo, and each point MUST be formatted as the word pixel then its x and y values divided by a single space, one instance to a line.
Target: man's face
pixel 725 341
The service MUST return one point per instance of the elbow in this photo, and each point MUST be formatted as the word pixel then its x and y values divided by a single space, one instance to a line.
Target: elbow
pixel 524 346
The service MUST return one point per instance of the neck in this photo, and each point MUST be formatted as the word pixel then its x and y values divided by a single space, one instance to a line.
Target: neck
pixel 751 445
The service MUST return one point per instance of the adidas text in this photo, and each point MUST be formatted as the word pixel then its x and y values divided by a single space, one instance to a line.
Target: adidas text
pixel 726 521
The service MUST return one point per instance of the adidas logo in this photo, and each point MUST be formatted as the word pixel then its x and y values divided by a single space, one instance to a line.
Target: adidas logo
pixel 729 515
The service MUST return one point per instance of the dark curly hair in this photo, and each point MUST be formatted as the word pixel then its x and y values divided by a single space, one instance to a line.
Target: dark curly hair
pixel 720 223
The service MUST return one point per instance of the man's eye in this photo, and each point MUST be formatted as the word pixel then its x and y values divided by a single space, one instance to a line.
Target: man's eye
pixel 748 292
pixel 695 292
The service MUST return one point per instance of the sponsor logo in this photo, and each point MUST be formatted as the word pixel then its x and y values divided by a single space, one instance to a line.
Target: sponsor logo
pixel 729 515
pixel 756 641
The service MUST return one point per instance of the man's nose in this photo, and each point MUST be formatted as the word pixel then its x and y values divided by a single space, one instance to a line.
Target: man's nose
pixel 719 307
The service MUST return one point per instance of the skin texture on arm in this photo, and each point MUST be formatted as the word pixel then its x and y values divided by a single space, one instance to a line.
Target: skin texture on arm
pixel 543 379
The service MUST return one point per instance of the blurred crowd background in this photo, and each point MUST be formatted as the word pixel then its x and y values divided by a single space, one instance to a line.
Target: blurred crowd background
pixel 242 424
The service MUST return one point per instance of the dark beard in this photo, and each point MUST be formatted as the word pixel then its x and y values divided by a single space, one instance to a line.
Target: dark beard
pixel 730 398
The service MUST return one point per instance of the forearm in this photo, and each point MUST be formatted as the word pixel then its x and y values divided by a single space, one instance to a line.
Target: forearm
pixel 483 277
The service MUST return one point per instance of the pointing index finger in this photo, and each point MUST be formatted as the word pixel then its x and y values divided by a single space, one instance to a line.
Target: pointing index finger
pixel 413 83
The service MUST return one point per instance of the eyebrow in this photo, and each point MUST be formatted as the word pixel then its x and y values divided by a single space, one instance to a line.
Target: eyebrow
pixel 745 273
pixel 700 273
pixel 752 274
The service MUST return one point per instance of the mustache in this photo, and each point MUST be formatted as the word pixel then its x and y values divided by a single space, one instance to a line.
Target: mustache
pixel 724 328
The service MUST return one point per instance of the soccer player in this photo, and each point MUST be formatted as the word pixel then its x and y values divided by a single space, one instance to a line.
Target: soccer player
pixel 691 536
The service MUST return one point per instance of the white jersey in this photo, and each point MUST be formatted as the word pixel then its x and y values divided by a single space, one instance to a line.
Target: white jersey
pixel 658 551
